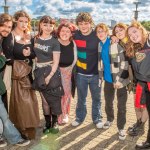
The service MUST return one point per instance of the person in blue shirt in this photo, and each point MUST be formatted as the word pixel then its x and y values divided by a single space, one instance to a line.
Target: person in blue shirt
pixel 114 71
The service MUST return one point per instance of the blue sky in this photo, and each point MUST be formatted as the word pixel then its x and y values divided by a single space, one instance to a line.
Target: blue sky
pixel 101 10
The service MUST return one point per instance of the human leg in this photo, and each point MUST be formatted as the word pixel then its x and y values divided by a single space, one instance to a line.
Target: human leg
pixel 96 99
pixel 10 132
pixel 122 100
pixel 82 89
pixel 109 93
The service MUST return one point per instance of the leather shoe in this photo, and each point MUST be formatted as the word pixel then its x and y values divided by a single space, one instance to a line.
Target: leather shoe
pixel 143 145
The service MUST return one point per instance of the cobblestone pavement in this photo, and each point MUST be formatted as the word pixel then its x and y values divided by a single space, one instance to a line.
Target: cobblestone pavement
pixel 86 136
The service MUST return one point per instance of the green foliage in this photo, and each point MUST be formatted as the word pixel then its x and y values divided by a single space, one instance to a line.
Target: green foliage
pixel 146 24
pixel 34 22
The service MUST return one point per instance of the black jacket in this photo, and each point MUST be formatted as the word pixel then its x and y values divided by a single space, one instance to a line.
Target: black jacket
pixel 141 63
pixel 54 87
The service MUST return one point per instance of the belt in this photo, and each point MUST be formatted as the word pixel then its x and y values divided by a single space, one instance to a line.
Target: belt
pixel 40 65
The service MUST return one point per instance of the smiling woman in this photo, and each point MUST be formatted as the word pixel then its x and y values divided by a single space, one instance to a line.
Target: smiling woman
pixel 18 48
pixel 67 62
pixel 47 50
pixel 139 52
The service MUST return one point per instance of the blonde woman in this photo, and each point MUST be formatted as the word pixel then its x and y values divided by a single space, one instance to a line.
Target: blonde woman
pixel 120 31
pixel 18 49
pixel 139 53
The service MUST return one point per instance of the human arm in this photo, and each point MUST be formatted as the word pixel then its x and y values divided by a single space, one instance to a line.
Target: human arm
pixel 123 66
pixel 100 65
pixel 56 57
pixel 75 55
pixel 28 51
pixel 7 46
pixel 114 39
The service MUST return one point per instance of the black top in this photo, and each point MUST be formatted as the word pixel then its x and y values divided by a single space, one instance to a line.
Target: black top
pixel 14 50
pixel 87 53
pixel 44 49
pixel 141 62
pixel 67 55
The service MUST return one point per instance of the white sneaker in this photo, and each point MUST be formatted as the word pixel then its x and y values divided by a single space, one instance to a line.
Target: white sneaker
pixel 66 119
pixel 122 134
pixel 107 125
pixel 3 143
pixel 99 125
pixel 75 123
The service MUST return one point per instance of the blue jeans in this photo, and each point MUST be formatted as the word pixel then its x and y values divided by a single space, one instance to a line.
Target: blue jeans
pixel 10 132
pixel 82 90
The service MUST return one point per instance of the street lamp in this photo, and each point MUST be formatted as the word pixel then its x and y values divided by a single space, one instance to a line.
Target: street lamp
pixel 5 7
pixel 136 10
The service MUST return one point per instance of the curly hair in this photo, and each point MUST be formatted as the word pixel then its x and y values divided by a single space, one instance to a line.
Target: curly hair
pixel 84 16
pixel 19 14
pixel 134 47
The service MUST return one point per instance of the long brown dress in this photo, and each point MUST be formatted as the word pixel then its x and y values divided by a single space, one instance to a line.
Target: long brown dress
pixel 23 111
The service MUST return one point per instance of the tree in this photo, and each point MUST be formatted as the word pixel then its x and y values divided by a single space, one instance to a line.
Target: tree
pixel 146 24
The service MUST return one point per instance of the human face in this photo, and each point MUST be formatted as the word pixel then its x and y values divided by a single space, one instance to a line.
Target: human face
pixel 102 35
pixel 65 34
pixel 120 33
pixel 46 28
pixel 85 27
pixel 22 23
pixel 6 29
pixel 135 35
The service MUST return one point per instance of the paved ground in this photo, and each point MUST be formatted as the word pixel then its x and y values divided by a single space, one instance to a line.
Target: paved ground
pixel 86 136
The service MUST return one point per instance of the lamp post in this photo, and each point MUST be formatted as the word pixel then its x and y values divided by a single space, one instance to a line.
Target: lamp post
pixel 136 10
pixel 5 7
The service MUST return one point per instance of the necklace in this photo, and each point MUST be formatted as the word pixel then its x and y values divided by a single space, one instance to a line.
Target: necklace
pixel 25 38
pixel 45 38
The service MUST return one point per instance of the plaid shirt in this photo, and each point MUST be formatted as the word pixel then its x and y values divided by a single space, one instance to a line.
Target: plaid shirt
pixel 119 64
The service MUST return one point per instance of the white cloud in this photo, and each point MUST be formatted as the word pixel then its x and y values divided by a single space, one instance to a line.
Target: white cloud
pixel 101 10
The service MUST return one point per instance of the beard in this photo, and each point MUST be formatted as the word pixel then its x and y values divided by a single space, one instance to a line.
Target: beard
pixel 4 33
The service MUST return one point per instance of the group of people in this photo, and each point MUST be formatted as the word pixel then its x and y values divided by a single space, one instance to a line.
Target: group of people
pixel 120 60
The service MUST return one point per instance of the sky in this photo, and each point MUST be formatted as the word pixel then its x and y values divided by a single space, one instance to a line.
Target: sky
pixel 101 10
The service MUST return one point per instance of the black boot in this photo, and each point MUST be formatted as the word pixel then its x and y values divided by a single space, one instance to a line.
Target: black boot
pixel 55 127
pixel 47 127
pixel 138 128
pixel 131 128
pixel 144 145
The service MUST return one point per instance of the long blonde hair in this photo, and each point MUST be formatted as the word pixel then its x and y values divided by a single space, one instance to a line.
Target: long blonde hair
pixel 134 47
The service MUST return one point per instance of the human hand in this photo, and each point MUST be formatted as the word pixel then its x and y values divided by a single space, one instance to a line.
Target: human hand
pixel 117 85
pixel 47 79
pixel 114 39
pixel 26 51
pixel 100 82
